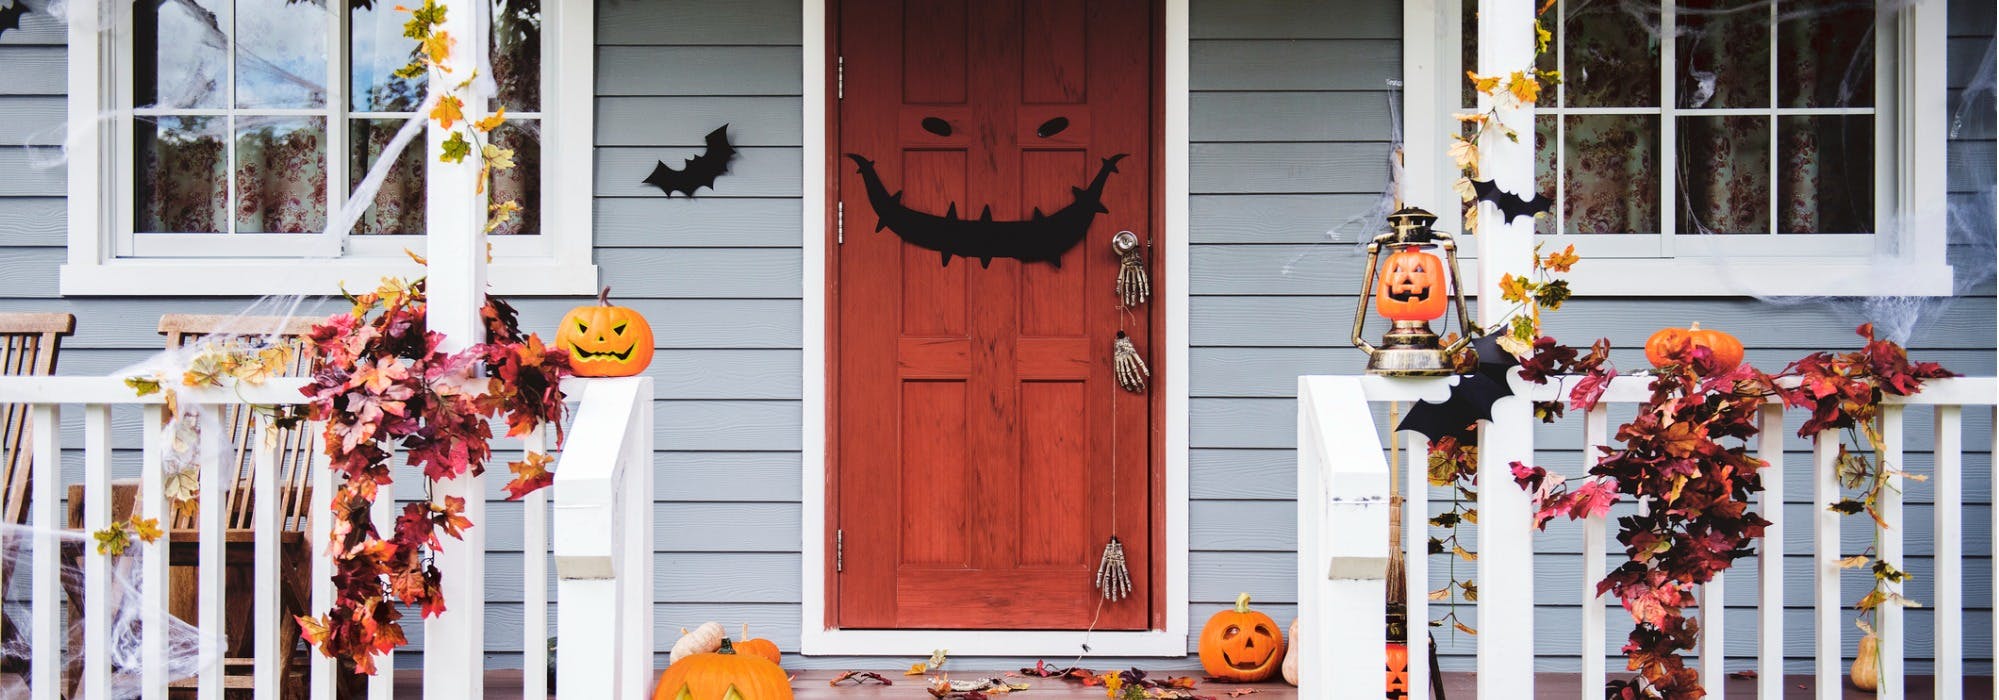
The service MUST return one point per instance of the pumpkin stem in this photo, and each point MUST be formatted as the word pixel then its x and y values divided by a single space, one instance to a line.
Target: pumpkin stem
pixel 1242 603
pixel 604 297
pixel 726 647
pixel 1694 326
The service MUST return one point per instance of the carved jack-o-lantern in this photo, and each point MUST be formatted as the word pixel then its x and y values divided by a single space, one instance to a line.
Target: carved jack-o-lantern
pixel 1413 286
pixel 1241 644
pixel 722 675
pixel 1398 670
pixel 605 340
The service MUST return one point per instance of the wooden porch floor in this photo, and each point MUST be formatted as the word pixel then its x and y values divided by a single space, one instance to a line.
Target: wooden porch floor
pixel 811 685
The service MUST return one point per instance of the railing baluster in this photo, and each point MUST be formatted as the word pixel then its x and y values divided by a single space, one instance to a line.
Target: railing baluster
pixel 1826 605
pixel 153 557
pixel 637 574
pixel 1713 639
pixel 1770 557
pixel 534 576
pixel 45 668
pixel 382 685
pixel 325 673
pixel 264 506
pixel 1416 563
pixel 96 567
pixel 1888 625
pixel 208 521
pixel 1596 433
pixel 1949 653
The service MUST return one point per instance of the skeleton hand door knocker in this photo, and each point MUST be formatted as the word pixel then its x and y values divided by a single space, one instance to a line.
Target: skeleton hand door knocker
pixel 1133 288
pixel 1129 367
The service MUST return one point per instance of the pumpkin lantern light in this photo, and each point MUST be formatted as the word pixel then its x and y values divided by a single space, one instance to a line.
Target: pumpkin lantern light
pixel 1241 645
pixel 1411 289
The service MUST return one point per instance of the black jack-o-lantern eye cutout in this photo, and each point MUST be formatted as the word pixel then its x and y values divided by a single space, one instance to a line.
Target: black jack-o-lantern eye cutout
pixel 1052 127
pixel 1042 238
pixel 937 126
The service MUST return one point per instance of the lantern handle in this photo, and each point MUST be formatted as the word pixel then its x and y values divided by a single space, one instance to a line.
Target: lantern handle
pixel 1366 293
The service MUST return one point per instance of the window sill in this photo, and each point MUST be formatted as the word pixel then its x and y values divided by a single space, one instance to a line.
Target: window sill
pixel 1754 277
pixel 252 277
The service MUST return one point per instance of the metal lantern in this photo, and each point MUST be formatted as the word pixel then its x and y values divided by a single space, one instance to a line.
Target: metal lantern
pixel 1410 290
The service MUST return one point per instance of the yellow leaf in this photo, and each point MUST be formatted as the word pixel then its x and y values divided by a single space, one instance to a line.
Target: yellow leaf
pixel 1441 593
pixel 917 670
pixel 437 46
pixel 1462 627
pixel 497 157
pixel 1853 562
pixel 1514 289
pixel 148 529
pixel 1471 516
pixel 1485 84
pixel 420 260
pixel 1463 153
pixel 1464 189
pixel 1523 86
pixel 492 121
pixel 449 110
pixel 1463 553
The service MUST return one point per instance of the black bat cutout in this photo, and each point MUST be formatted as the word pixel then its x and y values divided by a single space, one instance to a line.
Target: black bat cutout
pixel 1511 204
pixel 1471 398
pixel 10 16
pixel 1052 127
pixel 1043 238
pixel 937 126
pixel 699 171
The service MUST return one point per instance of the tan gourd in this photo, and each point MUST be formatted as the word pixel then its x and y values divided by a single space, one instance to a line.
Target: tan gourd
pixel 704 639
pixel 1866 672
pixel 1291 655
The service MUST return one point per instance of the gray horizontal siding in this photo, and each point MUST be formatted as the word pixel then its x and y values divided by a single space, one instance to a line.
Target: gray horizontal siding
pixel 1290 123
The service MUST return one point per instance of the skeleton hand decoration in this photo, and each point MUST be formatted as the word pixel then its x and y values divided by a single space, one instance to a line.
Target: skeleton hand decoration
pixel 1112 577
pixel 1128 366
pixel 1133 288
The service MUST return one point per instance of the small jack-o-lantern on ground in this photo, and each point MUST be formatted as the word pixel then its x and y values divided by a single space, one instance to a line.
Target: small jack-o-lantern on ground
pixel 605 340
pixel 722 674
pixel 1413 287
pixel 1241 645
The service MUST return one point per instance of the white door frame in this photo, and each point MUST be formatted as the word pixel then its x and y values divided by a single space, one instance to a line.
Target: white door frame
pixel 816 638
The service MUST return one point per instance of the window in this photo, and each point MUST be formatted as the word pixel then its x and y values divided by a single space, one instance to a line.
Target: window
pixel 1766 147
pixel 236 131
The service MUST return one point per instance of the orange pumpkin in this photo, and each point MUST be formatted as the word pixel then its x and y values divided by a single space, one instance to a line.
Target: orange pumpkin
pixel 761 648
pixel 722 674
pixel 1413 286
pixel 1726 349
pixel 605 340
pixel 1398 670
pixel 1241 645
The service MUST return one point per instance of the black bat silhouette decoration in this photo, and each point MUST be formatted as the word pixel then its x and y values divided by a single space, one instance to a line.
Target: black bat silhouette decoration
pixel 699 171
pixel 10 16
pixel 1471 398
pixel 1511 204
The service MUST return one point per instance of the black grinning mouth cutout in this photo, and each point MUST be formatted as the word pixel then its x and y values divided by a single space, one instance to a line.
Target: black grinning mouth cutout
pixel 619 356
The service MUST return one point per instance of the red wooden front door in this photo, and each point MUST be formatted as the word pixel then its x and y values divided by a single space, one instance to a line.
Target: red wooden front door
pixel 978 434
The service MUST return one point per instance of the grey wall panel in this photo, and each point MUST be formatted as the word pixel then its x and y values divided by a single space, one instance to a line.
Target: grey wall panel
pixel 33 70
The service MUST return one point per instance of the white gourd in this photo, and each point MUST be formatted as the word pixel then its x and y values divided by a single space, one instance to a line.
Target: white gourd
pixel 1291 656
pixel 704 639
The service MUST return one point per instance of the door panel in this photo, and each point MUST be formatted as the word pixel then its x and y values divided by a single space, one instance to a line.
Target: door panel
pixel 978 435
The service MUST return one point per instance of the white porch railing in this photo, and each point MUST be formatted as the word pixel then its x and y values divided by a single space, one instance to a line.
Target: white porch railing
pixel 605 480
pixel 1343 481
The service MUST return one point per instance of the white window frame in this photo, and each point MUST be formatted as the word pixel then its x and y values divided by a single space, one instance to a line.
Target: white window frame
pixel 557 261
pixel 1910 185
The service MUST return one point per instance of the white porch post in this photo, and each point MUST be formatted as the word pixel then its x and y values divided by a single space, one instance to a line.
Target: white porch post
pixel 1506 547
pixel 455 642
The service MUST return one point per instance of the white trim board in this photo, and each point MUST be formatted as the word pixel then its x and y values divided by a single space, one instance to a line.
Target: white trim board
pixel 816 638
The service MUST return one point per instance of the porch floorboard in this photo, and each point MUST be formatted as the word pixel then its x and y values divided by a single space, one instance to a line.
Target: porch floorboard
pixel 811 685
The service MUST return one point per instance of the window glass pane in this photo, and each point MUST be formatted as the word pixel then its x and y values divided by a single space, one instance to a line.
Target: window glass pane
pixel 180 56
pixel 521 183
pixel 1826 175
pixel 398 205
pixel 280 54
pixel 516 53
pixel 1611 173
pixel 280 175
pixel 182 181
pixel 1724 175
pixel 378 47
pixel 1724 53
pixel 1825 54
pixel 1544 168
pixel 1610 57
